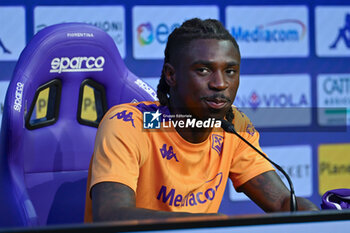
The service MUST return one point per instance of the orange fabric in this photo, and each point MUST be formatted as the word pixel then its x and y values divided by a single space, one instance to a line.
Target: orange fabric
pixel 167 172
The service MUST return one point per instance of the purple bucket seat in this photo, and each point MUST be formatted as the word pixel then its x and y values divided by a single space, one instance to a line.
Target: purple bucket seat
pixel 44 160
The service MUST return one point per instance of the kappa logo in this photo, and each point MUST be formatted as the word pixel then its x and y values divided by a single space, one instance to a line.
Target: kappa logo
pixel 125 117
pixel 344 34
pixel 168 154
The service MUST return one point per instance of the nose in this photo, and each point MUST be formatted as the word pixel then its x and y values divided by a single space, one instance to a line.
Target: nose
pixel 218 81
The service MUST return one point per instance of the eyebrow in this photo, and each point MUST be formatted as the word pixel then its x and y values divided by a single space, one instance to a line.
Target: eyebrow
pixel 209 63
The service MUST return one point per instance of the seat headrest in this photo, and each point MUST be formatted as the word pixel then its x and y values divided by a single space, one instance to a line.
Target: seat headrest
pixel 70 49
pixel 73 52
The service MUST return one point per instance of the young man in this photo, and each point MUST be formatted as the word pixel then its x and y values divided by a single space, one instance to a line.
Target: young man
pixel 181 169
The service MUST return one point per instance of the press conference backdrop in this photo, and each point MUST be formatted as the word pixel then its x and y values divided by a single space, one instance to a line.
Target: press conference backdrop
pixel 295 71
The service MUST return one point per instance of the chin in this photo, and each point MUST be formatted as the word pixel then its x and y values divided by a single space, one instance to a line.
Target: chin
pixel 217 114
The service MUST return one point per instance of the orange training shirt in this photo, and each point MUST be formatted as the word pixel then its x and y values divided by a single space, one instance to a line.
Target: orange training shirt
pixel 167 172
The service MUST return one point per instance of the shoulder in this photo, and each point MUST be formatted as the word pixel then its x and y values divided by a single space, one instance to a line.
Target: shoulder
pixel 122 126
pixel 131 109
pixel 242 122
pixel 132 113
pixel 138 107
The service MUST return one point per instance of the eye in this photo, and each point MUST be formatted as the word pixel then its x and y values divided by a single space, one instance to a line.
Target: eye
pixel 230 71
pixel 203 70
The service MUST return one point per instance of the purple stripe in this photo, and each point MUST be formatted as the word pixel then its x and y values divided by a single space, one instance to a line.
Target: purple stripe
pixel 153 108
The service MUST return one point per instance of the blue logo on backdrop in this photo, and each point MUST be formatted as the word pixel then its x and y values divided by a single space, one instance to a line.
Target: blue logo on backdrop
pixel 145 32
pixel 4 49
pixel 271 100
pixel 254 101
pixel 268 33
pixel 105 25
pixel 344 34
pixel 151 120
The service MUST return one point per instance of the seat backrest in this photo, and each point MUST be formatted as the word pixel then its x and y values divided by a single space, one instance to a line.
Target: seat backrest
pixel 49 121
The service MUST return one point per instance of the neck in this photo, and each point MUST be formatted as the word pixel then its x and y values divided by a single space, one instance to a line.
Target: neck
pixel 194 135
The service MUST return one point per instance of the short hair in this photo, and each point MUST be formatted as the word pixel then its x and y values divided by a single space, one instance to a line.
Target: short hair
pixel 191 30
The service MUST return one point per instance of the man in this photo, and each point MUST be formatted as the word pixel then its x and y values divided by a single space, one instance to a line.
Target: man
pixel 179 169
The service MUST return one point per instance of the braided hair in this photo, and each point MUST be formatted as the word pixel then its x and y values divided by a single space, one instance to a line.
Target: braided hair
pixel 191 30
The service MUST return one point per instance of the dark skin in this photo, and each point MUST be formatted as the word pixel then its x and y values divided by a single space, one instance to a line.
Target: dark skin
pixel 203 84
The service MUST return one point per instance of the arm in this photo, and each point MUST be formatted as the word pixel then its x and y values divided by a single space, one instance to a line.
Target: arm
pixel 116 201
pixel 269 192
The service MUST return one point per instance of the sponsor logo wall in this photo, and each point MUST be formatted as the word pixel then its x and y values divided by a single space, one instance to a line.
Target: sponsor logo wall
pixel 150 33
pixel 111 19
pixel 12 32
pixel 296 161
pixel 267 104
pixel 278 31
pixel 332 31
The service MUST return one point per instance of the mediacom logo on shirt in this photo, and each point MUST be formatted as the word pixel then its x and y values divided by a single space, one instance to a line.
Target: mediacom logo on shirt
pixel 153 120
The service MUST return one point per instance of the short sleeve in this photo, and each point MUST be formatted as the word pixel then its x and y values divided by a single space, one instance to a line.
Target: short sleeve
pixel 246 162
pixel 120 148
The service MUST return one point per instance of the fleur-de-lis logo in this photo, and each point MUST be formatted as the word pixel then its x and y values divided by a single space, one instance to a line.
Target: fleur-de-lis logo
pixel 217 142
pixel 250 129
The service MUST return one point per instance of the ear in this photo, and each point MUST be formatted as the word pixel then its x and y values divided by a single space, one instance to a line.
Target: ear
pixel 169 73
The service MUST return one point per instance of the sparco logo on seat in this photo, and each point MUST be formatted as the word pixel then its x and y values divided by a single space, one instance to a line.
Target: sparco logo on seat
pixel 77 64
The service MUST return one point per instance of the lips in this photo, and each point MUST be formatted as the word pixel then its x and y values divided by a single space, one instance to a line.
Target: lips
pixel 216 103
